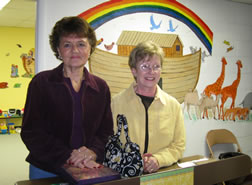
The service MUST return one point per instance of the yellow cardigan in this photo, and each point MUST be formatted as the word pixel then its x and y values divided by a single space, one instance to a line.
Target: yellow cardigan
pixel 165 121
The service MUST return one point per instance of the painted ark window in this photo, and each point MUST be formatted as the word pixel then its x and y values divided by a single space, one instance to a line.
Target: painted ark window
pixel 177 47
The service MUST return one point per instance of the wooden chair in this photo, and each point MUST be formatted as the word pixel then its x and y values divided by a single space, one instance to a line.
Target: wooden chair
pixel 221 136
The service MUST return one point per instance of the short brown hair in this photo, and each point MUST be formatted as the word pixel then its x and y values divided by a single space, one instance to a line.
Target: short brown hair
pixel 71 25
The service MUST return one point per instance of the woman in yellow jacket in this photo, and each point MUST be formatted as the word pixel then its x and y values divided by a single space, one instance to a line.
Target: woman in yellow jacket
pixel 155 119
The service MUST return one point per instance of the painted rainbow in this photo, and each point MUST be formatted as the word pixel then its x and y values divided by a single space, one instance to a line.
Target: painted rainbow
pixel 109 10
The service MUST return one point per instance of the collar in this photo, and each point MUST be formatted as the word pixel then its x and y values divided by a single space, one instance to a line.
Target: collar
pixel 57 77
pixel 159 96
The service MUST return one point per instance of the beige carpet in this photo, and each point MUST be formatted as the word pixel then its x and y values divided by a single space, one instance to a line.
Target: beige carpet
pixel 13 166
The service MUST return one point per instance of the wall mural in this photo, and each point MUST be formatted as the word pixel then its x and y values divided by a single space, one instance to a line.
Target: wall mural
pixel 28 63
pixel 180 72
pixel 28 60
pixel 112 9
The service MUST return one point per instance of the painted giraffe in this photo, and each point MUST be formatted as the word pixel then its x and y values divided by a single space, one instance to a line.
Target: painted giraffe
pixel 231 91
pixel 215 88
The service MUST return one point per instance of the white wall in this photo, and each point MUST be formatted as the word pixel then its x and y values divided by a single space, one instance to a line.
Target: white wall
pixel 228 20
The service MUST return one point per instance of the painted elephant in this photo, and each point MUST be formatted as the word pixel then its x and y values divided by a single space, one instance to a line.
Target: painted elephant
pixel 247 101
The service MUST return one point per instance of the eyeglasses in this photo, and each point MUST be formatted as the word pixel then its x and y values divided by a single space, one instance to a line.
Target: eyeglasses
pixel 147 68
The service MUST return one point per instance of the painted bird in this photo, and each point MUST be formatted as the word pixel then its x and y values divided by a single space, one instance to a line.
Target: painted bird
pixel 98 42
pixel 153 24
pixel 226 42
pixel 109 47
pixel 230 48
pixel 171 29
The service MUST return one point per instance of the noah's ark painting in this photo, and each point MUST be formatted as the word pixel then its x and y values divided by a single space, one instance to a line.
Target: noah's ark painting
pixel 180 72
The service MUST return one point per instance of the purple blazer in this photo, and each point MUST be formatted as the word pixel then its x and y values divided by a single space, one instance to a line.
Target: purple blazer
pixel 48 116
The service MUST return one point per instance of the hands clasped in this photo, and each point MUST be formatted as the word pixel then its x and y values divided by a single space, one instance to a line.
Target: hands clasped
pixel 150 163
pixel 83 157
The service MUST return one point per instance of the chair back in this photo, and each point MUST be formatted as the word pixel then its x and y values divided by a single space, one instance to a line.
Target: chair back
pixel 221 136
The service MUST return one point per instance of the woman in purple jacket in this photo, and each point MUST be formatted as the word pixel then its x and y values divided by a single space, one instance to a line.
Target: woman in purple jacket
pixel 67 117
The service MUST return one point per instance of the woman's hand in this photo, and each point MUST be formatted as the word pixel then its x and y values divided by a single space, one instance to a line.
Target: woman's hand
pixel 92 164
pixel 83 157
pixel 150 163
